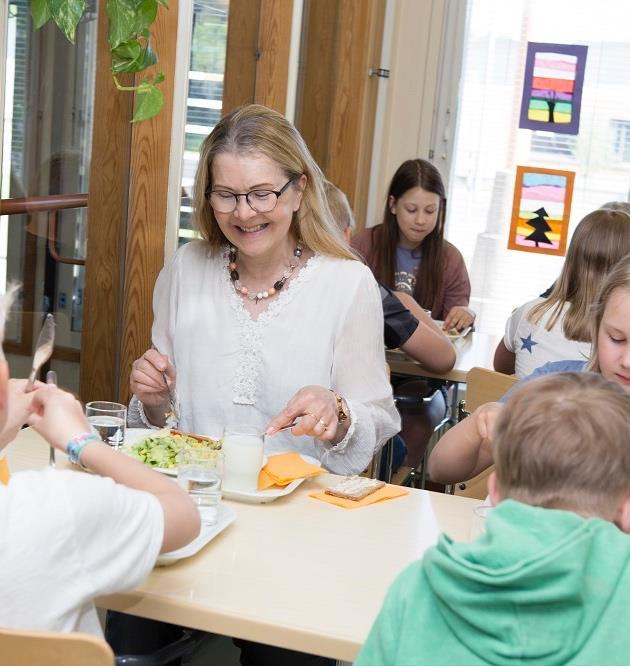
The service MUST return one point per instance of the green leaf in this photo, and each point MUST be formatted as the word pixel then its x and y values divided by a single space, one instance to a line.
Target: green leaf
pixel 149 101
pixel 66 14
pixel 145 14
pixel 39 13
pixel 164 3
pixel 126 57
pixel 122 21
pixel 148 58
pixel 128 50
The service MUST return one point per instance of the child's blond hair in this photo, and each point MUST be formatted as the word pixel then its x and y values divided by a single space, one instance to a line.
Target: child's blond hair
pixel 599 241
pixel 563 442
pixel 618 278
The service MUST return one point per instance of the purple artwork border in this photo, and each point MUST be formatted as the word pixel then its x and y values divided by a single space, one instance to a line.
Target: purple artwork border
pixel 567 49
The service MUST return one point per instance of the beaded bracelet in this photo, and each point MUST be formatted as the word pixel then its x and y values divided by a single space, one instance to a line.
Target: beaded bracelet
pixel 76 445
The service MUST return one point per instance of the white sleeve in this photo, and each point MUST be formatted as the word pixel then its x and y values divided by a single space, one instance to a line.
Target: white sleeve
pixel 162 333
pixel 118 531
pixel 360 375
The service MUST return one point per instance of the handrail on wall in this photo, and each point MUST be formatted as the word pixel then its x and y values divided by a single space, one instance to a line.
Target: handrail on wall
pixel 50 204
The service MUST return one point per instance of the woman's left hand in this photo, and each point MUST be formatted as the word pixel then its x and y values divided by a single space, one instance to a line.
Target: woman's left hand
pixel 317 408
pixel 459 317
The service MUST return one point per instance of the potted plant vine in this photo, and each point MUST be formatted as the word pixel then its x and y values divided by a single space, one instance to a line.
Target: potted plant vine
pixel 129 40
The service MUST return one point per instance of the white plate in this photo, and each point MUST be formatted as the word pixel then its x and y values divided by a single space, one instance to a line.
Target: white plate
pixel 134 435
pixel 269 495
pixel 226 516
pixel 462 334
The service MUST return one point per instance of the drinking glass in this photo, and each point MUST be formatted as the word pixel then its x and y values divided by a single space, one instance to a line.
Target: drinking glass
pixel 243 447
pixel 108 421
pixel 199 473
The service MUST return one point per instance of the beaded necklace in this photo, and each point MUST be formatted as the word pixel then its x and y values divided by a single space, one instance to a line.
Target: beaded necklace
pixel 267 293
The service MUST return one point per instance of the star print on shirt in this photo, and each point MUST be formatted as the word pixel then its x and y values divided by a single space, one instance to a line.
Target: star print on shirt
pixel 528 343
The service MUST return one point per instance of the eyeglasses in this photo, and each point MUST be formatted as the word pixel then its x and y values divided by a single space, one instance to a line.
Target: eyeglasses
pixel 261 201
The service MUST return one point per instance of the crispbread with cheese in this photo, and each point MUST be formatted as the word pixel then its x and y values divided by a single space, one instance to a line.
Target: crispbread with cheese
pixel 354 487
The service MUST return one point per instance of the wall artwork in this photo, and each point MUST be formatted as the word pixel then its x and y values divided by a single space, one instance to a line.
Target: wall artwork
pixel 541 210
pixel 552 89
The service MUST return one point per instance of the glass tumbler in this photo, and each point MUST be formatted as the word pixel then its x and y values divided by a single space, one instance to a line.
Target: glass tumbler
pixel 108 421
pixel 200 473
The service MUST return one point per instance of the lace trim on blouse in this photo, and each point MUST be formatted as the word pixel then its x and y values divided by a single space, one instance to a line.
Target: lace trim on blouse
pixel 250 330
pixel 137 418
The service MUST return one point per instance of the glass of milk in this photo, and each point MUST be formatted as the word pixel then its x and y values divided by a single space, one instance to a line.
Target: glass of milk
pixel 243 448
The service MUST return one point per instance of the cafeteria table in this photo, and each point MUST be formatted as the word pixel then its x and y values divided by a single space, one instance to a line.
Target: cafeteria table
pixel 296 573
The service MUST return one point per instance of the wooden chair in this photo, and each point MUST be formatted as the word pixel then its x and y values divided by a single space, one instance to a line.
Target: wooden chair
pixel 481 386
pixel 48 648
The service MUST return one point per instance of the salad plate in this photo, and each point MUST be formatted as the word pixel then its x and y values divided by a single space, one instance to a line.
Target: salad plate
pixel 225 517
pixel 135 435
pixel 268 495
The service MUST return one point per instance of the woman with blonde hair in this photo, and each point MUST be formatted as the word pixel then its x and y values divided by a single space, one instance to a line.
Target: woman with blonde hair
pixel 269 318
pixel 558 327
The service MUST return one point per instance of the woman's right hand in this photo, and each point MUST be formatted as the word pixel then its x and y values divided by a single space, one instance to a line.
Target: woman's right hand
pixel 149 376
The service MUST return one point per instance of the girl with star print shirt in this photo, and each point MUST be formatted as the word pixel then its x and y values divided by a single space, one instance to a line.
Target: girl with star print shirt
pixel 533 345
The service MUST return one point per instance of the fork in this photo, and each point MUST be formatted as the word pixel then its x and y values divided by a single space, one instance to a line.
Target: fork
pixel 287 427
pixel 43 350
pixel 51 379
pixel 171 392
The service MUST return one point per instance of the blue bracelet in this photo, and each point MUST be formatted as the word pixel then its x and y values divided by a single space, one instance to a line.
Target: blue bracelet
pixel 76 445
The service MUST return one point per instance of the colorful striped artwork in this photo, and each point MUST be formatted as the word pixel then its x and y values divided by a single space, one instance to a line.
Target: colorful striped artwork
pixel 541 210
pixel 552 90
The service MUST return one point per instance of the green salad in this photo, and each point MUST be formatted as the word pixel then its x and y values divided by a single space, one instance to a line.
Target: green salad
pixel 160 450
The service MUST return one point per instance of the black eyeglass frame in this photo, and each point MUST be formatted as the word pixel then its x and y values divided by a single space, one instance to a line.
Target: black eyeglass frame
pixel 236 196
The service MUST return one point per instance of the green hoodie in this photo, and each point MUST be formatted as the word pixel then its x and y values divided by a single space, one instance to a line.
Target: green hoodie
pixel 540 586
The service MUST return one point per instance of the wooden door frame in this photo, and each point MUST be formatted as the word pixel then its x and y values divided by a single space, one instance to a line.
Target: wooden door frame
pixel 258 49
pixel 127 203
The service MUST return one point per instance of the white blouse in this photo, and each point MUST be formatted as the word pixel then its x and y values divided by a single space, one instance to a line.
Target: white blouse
pixel 325 328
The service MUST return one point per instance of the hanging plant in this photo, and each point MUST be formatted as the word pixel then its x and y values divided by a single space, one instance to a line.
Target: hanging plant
pixel 129 42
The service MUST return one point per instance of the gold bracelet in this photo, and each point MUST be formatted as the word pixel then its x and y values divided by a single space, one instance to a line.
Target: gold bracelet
pixel 342 415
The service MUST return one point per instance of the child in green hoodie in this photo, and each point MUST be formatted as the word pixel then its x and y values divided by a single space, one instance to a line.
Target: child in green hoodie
pixel 548 583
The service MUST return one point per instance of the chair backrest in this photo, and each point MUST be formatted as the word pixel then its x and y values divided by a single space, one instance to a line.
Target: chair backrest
pixel 482 386
pixel 49 648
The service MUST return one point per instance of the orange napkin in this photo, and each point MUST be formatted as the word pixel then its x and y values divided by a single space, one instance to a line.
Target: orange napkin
pixel 386 492
pixel 283 468
pixel 4 471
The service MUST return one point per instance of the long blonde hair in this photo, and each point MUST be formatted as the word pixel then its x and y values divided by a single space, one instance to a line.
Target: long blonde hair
pixel 256 130
pixel 599 241
pixel 618 278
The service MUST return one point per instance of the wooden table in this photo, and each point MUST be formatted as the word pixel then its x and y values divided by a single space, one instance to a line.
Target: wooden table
pixel 475 350
pixel 296 573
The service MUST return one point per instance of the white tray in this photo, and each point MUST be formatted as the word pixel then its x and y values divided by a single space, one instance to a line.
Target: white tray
pixel 226 516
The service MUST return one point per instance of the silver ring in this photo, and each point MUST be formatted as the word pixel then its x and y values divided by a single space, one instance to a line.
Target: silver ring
pixel 323 423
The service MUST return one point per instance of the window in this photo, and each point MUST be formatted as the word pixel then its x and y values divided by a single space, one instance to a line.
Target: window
pixel 620 140
pixel 489 145
pixel 556 146
pixel 205 94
